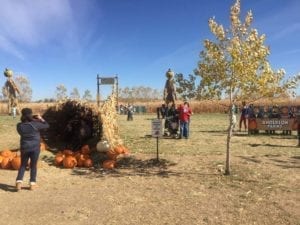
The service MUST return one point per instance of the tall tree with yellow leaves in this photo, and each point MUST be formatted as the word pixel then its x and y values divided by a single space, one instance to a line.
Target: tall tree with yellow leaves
pixel 236 64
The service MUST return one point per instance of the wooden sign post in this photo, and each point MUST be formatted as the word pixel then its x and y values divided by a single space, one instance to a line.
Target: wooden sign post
pixel 157 132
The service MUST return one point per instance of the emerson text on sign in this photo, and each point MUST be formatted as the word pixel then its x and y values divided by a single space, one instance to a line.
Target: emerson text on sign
pixel 276 124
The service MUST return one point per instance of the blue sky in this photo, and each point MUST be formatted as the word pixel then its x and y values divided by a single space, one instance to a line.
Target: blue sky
pixel 71 41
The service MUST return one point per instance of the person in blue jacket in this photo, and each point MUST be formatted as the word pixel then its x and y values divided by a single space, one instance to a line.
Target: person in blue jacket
pixel 29 130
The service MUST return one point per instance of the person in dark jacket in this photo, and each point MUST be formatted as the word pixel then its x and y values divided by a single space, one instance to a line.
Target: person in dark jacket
pixel 29 130
pixel 244 116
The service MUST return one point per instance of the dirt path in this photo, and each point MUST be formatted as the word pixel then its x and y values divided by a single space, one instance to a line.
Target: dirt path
pixel 181 190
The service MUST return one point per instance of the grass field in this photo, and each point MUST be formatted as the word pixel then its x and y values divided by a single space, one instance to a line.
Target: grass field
pixel 186 187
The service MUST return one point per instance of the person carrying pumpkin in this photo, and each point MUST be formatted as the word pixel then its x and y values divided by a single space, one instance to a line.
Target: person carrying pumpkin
pixel 29 130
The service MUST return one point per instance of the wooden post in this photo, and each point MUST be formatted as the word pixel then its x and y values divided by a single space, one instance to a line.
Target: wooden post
pixel 98 90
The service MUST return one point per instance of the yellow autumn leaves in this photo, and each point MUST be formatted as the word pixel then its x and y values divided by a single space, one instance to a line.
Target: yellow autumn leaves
pixel 236 61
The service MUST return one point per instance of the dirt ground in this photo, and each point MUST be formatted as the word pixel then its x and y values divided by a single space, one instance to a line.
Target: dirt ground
pixel 185 190
pixel 186 187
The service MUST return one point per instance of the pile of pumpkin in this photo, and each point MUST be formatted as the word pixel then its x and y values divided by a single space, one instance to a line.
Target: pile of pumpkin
pixel 112 155
pixel 9 160
pixel 69 159
pixel 12 159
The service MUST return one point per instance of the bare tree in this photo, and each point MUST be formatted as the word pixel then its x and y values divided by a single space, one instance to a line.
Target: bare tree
pixel 61 92
pixel 87 95
pixel 74 95
pixel 139 93
pixel 25 89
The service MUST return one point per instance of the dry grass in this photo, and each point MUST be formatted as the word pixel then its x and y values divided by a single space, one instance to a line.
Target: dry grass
pixel 186 187
pixel 205 106
pixel 36 107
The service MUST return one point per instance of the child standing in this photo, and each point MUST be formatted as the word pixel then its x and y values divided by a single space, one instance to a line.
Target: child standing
pixel 14 111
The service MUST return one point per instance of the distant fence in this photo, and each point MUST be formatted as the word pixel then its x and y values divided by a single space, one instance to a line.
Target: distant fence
pixel 137 109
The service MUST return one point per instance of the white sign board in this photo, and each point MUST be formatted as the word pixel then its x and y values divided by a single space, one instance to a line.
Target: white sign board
pixel 157 130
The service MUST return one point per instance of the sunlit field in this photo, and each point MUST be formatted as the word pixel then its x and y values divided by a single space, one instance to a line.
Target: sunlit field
pixel 187 186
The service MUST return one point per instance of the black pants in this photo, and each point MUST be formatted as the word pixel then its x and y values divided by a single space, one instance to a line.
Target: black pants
pixel 25 156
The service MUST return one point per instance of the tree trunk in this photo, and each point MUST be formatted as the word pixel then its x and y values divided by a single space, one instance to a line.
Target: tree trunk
pixel 229 134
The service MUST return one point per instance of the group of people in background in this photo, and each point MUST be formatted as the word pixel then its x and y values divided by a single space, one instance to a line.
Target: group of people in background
pixel 127 110
pixel 177 120
pixel 251 111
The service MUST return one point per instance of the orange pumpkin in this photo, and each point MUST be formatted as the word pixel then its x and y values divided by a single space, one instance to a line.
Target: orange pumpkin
pixel 126 151
pixel 109 164
pixel 43 146
pixel 69 162
pixel 85 150
pixel 80 159
pixel 1 158
pixel 6 153
pixel 6 163
pixel 111 154
pixel 119 149
pixel 77 154
pixel 13 155
pixel 86 156
pixel 59 152
pixel 88 163
pixel 252 124
pixel 68 152
pixel 16 163
pixel 59 158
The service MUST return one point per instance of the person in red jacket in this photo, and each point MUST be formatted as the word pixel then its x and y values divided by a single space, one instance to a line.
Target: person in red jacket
pixel 184 117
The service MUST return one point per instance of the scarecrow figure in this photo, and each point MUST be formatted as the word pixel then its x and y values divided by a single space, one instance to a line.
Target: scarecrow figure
pixel 170 89
pixel 11 90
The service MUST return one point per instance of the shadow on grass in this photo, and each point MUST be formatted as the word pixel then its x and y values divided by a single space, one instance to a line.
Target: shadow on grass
pixel 240 134
pixel 6 187
pixel 288 137
pixel 48 159
pixel 296 157
pixel 168 137
pixel 289 163
pixel 250 159
pixel 212 131
pixel 270 145
pixel 130 166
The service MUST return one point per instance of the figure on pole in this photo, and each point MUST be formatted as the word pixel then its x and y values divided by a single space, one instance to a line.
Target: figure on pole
pixel 170 89
pixel 11 91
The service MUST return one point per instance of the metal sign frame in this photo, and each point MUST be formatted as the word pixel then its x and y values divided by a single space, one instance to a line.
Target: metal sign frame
pixel 112 80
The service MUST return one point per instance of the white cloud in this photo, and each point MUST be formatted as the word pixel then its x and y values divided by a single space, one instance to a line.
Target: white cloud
pixel 9 47
pixel 31 23
pixel 288 31
pixel 184 55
